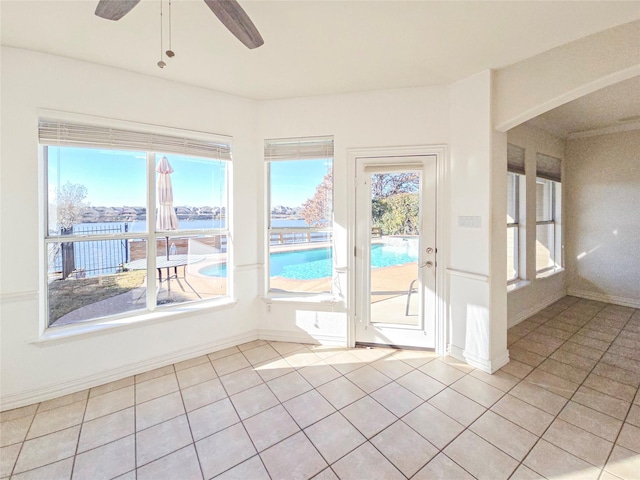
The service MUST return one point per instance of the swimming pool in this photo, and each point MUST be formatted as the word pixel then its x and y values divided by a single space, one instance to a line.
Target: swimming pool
pixel 316 263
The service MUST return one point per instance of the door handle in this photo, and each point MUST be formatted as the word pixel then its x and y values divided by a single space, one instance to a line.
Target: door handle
pixel 427 264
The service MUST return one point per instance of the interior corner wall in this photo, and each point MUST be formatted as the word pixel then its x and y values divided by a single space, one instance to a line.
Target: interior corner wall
pixel 602 195
pixel 525 301
pixel 30 80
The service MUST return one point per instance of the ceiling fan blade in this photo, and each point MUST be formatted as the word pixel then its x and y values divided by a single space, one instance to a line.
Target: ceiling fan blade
pixel 231 14
pixel 115 9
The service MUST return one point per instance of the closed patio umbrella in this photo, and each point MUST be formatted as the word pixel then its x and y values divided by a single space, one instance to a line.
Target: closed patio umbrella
pixel 166 219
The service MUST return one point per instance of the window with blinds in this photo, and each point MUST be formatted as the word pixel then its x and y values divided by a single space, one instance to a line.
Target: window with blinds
pixel 548 210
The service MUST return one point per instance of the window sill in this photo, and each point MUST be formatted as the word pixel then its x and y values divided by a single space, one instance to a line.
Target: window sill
pixel 55 335
pixel 313 299
pixel 512 287
pixel 549 273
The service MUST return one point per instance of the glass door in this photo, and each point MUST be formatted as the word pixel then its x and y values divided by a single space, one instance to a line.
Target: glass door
pixel 396 251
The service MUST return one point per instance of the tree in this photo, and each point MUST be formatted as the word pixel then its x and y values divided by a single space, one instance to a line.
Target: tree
pixel 317 210
pixel 70 203
pixel 400 215
pixel 386 184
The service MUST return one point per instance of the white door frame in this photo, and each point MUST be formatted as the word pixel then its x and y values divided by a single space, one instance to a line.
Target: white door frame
pixel 442 233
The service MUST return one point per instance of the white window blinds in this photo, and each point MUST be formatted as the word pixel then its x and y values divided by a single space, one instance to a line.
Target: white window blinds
pixel 303 148
pixel 515 159
pixel 71 134
pixel 549 168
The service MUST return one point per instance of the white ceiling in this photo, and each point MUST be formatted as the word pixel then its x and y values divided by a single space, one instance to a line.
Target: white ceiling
pixel 313 47
pixel 603 109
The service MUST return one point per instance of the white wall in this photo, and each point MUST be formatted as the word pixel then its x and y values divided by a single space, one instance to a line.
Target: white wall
pixel 602 193
pixel 32 80
pixel 543 291
pixel 414 116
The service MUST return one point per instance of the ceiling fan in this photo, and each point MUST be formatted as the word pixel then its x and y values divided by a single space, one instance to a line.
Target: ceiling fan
pixel 229 12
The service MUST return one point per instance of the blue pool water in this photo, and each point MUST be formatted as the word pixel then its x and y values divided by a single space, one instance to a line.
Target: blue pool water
pixel 316 263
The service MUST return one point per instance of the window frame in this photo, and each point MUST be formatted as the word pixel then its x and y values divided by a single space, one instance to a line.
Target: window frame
pixel 516 226
pixel 151 235
pixel 554 250
pixel 270 231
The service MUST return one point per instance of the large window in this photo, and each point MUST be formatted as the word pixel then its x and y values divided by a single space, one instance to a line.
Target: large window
pixel 134 221
pixel 515 172
pixel 548 209
pixel 300 214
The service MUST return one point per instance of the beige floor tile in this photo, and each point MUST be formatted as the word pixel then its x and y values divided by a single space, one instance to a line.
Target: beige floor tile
pixel 610 387
pixel 433 425
pixel 415 358
pixel 581 350
pixel 308 408
pixel 107 461
pixel 457 406
pixel 507 436
pixel 260 354
pixel 407 450
pixel 192 362
pixel 371 354
pixel 212 418
pixel 563 370
pixel 553 462
pixel 106 429
pixel 582 444
pixel 452 361
pixel 345 362
pixel 286 347
pixel 334 437
pixel 159 440
pixel 539 397
pixel 442 372
pixel 273 369
pixel 294 458
pixel 111 386
pixel 229 364
pixel 182 464
pixel 525 473
pixel 587 341
pixel 48 449
pixel 591 420
pixel 253 344
pixel 623 463
pixel 617 374
pixel 14 431
pixel 368 378
pixel 553 383
pixel 194 375
pixel 500 379
pixel 421 384
pixel 156 387
pixel 624 362
pixel 368 416
pixel 59 470
pixel 480 458
pixel 289 386
pixel 442 468
pixel 516 369
pixel 224 450
pixel 226 352
pixel 340 392
pixel 302 358
pixel 56 419
pixel 240 380
pixel 156 373
pixel 252 469
pixel 253 401
pixel 630 438
pixel 270 427
pixel 203 394
pixel 366 462
pixel 63 401
pixel 477 390
pixel 523 414
pixel 527 343
pixel 109 403
pixel 525 356
pixel 28 411
pixel 158 410
pixel 392 367
pixel 397 399
pixel 319 373
pixel 633 417
pixel 8 457
pixel 602 402
pixel 577 361
pixel 326 474
pixel 558 333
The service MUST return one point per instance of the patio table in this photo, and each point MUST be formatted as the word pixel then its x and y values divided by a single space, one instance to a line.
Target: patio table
pixel 168 263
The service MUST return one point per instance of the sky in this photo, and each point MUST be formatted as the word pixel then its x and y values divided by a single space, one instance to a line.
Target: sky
pixel 115 178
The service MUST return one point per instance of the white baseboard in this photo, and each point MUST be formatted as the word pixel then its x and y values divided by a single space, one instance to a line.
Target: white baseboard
pixel 300 337
pixel 489 366
pixel 457 353
pixel 524 314
pixel 601 297
pixel 29 397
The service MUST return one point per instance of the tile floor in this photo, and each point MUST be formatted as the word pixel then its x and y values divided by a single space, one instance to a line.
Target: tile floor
pixel 566 406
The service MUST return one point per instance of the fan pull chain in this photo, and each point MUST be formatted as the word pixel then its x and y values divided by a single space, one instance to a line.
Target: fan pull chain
pixel 161 63
pixel 170 53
